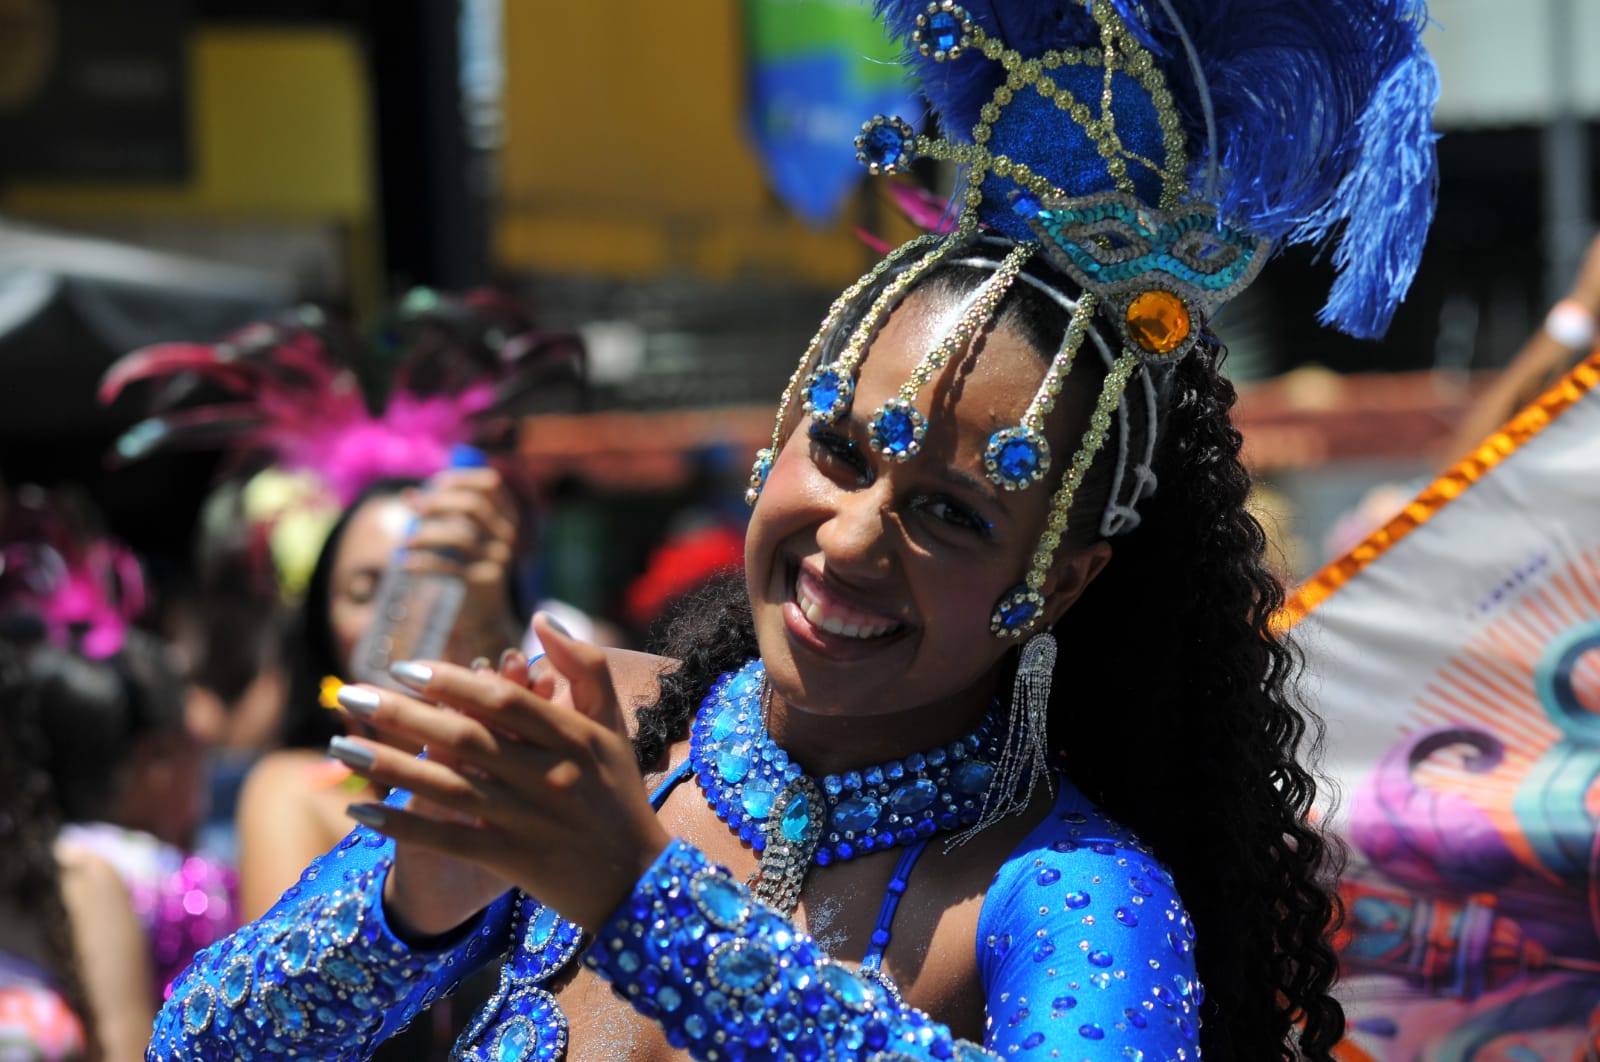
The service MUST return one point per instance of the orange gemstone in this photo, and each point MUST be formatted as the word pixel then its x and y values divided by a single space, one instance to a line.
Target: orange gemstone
pixel 1158 321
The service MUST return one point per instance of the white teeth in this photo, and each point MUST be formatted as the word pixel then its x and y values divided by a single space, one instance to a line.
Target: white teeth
pixel 832 625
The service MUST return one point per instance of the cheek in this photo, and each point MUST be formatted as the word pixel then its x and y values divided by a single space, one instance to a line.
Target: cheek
pixel 787 497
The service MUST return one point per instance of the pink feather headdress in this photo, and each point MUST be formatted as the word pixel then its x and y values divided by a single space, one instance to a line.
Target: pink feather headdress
pixel 462 367
pixel 84 588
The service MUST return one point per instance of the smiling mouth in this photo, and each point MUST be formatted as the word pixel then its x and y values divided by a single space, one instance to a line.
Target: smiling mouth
pixel 828 614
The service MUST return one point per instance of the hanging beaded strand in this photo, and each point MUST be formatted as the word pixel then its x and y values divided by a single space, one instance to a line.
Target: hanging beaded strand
pixel 1019 457
pixel 897 427
pixel 1019 610
pixel 840 306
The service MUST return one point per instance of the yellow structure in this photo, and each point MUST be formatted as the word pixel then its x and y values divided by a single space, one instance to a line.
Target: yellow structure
pixel 281 131
pixel 638 165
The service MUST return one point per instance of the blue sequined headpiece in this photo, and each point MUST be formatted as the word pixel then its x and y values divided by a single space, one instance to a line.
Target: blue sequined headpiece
pixel 1156 153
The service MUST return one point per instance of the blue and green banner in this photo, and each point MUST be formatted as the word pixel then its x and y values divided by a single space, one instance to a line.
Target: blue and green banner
pixel 818 69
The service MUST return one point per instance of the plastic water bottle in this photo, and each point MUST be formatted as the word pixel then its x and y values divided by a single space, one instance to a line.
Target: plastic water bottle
pixel 413 612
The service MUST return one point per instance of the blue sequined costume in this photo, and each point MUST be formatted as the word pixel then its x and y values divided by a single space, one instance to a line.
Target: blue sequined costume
pixel 1083 949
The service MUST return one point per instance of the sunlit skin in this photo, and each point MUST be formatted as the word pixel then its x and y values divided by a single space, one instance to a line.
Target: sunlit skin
pixel 548 796
pixel 925 547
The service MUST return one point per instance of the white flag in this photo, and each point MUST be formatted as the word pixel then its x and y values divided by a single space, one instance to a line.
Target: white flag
pixel 1455 656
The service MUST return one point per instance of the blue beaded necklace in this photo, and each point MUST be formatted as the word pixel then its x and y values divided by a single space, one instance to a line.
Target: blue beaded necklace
pixel 795 821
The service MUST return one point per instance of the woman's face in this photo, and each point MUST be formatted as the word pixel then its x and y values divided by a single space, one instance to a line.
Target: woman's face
pixel 872 582
pixel 373 533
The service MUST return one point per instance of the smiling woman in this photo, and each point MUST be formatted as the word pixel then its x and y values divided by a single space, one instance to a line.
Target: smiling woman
pixel 977 655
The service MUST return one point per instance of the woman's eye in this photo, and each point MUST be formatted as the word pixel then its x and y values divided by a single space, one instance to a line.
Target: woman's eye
pixel 831 446
pixel 956 515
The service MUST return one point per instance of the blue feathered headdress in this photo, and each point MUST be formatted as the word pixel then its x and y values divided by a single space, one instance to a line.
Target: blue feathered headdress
pixel 1306 121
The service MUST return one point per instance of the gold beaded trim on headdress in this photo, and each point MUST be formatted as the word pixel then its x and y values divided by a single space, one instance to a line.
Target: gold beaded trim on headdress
pixel 1122 251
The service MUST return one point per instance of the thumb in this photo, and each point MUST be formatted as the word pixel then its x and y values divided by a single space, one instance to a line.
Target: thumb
pixel 584 667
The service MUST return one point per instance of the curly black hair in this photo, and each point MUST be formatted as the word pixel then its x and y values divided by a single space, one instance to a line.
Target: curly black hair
pixel 1204 755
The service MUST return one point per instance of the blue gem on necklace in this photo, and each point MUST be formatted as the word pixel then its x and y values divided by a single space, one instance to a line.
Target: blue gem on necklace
pixel 752 785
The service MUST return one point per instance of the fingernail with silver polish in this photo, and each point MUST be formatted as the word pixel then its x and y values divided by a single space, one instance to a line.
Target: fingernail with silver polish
pixel 367 814
pixel 361 703
pixel 557 624
pixel 505 658
pixel 413 674
pixel 347 752
pixel 479 663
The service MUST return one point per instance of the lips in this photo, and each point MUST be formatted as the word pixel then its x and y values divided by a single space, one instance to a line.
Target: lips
pixel 827 611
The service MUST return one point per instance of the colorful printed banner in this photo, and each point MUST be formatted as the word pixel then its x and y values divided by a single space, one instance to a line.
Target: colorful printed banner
pixel 1456 658
pixel 818 69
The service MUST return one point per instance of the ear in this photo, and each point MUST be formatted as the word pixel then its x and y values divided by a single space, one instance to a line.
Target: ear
pixel 1070 576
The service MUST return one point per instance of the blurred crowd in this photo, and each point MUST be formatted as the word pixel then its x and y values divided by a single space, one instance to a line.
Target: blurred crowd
pixel 162 768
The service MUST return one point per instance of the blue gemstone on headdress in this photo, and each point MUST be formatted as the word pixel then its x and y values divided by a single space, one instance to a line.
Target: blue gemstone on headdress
pixel 828 394
pixel 1016 457
pixel 896 430
pixel 1025 205
pixel 796 818
pixel 855 814
pixel 943 32
pixel 884 145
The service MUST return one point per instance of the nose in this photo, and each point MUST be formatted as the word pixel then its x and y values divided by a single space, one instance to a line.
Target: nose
pixel 857 537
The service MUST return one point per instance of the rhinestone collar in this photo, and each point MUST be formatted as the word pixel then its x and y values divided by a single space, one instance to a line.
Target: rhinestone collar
pixel 795 821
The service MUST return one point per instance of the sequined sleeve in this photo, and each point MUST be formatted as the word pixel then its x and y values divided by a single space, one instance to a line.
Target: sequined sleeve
pixel 694 950
pixel 1085 949
pixel 321 975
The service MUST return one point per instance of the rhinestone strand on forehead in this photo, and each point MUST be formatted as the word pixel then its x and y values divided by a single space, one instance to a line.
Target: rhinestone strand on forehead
pixel 897 428
pixel 796 822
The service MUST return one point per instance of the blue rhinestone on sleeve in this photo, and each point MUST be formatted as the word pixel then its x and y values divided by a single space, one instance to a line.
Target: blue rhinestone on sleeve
pixel 1085 950
pixel 321 975
pixel 727 978
pixel 522 1020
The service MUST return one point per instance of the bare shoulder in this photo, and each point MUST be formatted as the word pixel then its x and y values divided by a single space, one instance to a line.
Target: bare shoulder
pixel 637 676
pixel 278 772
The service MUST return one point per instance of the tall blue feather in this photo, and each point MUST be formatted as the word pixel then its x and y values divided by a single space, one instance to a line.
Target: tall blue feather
pixel 1322 110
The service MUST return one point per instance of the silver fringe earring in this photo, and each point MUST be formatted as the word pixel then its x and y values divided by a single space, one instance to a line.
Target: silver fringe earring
pixel 1023 762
